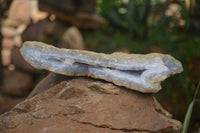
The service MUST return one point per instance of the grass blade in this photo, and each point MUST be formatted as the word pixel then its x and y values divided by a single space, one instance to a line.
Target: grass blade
pixel 189 112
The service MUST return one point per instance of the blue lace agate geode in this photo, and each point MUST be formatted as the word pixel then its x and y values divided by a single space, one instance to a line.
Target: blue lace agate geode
pixel 134 71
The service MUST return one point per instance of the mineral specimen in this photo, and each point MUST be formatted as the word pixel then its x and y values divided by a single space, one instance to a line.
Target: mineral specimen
pixel 134 71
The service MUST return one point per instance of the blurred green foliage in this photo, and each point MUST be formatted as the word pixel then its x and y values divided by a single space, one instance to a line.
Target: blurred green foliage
pixel 128 15
pixel 127 26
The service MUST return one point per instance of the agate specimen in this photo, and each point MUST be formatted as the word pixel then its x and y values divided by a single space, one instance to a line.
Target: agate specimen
pixel 134 71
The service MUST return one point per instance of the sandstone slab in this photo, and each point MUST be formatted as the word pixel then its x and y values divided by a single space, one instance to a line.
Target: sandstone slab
pixel 8 102
pixel 85 105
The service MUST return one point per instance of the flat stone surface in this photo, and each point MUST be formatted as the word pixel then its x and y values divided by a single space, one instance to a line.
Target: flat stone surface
pixel 84 105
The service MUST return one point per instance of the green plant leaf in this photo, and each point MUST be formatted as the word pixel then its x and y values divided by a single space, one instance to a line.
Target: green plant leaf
pixel 189 112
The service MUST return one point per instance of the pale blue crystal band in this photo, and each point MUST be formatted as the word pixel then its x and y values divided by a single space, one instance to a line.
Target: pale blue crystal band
pixel 134 71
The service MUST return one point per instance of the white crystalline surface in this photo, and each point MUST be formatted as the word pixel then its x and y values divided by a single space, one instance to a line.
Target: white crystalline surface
pixel 134 71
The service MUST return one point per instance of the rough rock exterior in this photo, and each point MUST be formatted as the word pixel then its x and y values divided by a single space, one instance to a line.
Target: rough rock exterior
pixel 7 102
pixel 84 105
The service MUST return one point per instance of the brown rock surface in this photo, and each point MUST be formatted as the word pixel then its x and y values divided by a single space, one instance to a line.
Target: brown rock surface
pixel 43 30
pixel 69 5
pixel 84 105
pixel 72 39
pixel 19 13
pixel 79 13
pixel 7 42
pixel 8 31
pixel 17 83
pixel 8 102
pixel 5 56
